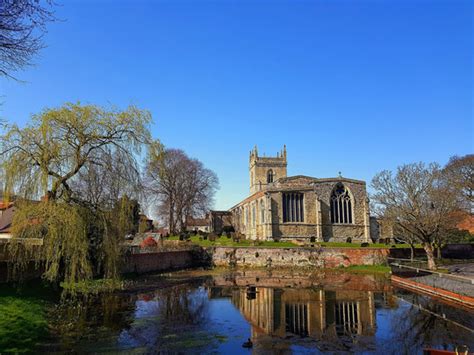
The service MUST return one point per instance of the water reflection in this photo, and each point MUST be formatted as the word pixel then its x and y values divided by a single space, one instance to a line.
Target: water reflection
pixel 337 317
pixel 281 314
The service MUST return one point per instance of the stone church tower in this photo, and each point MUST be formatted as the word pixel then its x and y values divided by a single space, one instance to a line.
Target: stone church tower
pixel 265 170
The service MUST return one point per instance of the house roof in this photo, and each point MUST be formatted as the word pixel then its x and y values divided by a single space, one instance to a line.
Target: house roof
pixel 6 219
pixel 197 222
pixel 4 205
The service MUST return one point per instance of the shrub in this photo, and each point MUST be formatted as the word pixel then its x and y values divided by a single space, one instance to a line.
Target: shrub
pixel 148 242
pixel 228 229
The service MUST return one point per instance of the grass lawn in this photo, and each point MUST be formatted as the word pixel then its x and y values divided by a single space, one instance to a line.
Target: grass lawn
pixel 22 324
pixel 228 242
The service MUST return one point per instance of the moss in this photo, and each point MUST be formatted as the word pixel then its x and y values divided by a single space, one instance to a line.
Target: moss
pixel 22 324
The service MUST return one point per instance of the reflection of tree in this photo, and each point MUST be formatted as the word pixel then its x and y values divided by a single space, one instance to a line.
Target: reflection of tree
pixel 153 320
pixel 182 306
pixel 77 317
pixel 418 323
pixel 168 318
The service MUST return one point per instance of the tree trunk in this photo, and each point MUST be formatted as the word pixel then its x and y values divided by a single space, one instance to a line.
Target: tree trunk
pixel 171 218
pixel 412 252
pixel 430 255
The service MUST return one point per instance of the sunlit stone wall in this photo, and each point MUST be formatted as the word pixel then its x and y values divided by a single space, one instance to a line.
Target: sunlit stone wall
pixel 298 257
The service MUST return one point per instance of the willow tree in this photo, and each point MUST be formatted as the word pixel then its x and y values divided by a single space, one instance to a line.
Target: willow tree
pixel 47 160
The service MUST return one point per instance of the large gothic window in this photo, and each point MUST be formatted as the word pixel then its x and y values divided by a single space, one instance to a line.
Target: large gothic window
pixel 262 211
pixel 341 205
pixel 293 207
pixel 269 176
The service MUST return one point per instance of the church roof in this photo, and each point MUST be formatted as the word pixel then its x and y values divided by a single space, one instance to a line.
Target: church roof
pixel 316 180
pixel 248 199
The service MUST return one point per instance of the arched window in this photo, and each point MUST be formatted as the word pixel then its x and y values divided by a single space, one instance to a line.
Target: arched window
pixel 262 212
pixel 269 176
pixel 341 205
pixel 254 215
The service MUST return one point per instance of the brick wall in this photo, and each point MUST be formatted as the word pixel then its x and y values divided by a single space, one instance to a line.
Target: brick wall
pixel 160 261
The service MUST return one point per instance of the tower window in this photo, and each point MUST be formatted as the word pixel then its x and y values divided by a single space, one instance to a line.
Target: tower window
pixel 341 205
pixel 269 176
pixel 293 207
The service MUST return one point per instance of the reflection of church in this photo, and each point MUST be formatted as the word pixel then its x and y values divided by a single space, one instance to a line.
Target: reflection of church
pixel 318 314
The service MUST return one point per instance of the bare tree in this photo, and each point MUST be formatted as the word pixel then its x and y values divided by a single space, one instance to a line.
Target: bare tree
pixel 459 173
pixel 418 201
pixel 182 186
pixel 22 26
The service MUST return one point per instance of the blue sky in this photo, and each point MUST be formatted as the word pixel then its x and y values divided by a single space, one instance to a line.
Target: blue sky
pixel 350 86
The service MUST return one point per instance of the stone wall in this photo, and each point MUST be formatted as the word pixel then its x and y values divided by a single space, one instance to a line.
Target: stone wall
pixel 297 257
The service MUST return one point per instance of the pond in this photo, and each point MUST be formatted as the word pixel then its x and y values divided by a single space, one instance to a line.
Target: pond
pixel 217 311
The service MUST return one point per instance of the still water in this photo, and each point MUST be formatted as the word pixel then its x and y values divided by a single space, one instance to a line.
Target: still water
pixel 218 311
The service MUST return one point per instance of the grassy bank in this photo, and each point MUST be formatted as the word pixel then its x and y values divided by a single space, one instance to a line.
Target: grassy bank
pixel 383 269
pixel 22 324
pixel 23 315
pixel 228 242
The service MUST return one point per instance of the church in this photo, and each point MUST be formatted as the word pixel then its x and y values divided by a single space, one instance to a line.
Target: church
pixel 303 208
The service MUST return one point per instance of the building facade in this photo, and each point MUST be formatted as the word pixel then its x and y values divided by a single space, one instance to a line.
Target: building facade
pixel 300 207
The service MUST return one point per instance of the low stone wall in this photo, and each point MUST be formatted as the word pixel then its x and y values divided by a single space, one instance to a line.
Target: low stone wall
pixel 297 257
pixel 160 261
